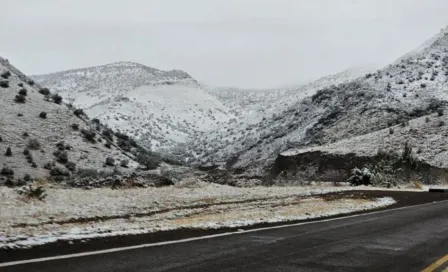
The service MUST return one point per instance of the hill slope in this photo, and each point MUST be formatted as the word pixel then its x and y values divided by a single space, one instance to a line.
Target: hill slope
pixel 414 86
pixel 159 108
pixel 44 136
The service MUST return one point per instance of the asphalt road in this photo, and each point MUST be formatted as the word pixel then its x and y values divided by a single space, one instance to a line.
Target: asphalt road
pixel 407 239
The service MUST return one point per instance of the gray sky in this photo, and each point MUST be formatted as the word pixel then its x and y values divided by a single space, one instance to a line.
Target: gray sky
pixel 244 43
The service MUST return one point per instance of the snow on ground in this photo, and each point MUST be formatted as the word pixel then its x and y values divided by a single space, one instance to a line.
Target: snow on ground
pixel 69 214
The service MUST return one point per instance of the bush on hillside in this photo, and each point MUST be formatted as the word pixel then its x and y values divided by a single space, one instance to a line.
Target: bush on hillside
pixel 61 156
pixel 6 171
pixel 110 161
pixel 149 160
pixel 360 177
pixel 8 152
pixel 56 98
pixel 79 112
pixel 23 92
pixel 20 98
pixel 33 144
pixel 43 115
pixel 75 126
pixel 89 134
pixel 6 74
pixel 44 91
pixel 31 191
pixel 4 83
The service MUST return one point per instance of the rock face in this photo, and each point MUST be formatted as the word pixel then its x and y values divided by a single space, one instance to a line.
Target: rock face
pixel 42 137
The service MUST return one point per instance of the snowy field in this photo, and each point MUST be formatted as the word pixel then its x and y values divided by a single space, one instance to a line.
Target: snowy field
pixel 69 214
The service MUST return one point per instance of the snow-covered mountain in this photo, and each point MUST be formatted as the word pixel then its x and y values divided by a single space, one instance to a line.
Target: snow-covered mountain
pixel 160 108
pixel 414 86
pixel 247 101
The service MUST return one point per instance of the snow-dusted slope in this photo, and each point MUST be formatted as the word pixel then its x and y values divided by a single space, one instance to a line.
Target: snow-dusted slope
pixel 39 131
pixel 414 86
pixel 247 101
pixel 159 108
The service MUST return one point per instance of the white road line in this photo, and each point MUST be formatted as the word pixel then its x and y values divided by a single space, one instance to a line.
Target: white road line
pixel 76 255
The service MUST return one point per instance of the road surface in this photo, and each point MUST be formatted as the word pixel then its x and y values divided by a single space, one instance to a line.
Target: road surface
pixel 405 239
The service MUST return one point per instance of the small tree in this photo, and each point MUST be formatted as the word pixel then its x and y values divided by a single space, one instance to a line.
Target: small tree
pixel 75 126
pixel 440 112
pixel 8 152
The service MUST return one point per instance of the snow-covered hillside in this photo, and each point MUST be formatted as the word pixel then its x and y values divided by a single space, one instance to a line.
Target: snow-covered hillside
pixel 159 108
pixel 40 137
pixel 249 101
pixel 414 86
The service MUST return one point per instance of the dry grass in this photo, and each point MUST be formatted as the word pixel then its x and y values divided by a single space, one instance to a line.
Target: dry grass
pixel 418 185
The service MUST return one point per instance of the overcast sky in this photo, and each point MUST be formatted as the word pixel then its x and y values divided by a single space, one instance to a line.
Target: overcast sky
pixel 244 43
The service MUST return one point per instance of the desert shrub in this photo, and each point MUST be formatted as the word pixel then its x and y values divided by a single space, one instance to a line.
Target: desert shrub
pixel 20 114
pixel 61 145
pixel 26 152
pixel 360 177
pixel 33 144
pixel 27 177
pixel 20 84
pixel 30 191
pixel 4 84
pixel 56 98
pixel 6 74
pixel 149 160
pixel 29 158
pixel 427 119
pixel 441 123
pixel 124 163
pixel 23 92
pixel 110 161
pixel 108 134
pixel 34 165
pixel 8 152
pixel 43 115
pixel 89 134
pixel 87 172
pixel 79 112
pixel 75 126
pixel 49 165
pixel 108 145
pixel 31 82
pixel 61 156
pixel 96 121
pixel 20 98
pixel 6 171
pixel 391 131
pixel 1 139
pixel 71 166
pixel 44 91
pixel 440 112
pixel 58 171
pixel 25 135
